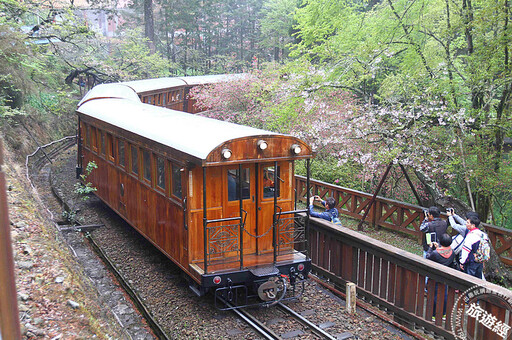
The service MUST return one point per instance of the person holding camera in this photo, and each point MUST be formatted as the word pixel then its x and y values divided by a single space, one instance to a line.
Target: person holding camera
pixel 459 224
pixel 432 227
pixel 330 213
pixel 441 253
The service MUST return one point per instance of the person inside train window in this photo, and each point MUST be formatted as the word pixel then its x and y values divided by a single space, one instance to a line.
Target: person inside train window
pixel 269 182
pixel 233 184
pixel 330 213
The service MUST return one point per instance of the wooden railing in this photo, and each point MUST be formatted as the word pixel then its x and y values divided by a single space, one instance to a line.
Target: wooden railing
pixel 394 280
pixel 391 214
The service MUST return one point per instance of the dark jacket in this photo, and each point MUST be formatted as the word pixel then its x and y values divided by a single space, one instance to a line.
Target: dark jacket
pixel 442 256
pixel 328 215
pixel 437 225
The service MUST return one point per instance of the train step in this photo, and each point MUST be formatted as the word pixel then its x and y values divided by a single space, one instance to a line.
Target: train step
pixel 263 271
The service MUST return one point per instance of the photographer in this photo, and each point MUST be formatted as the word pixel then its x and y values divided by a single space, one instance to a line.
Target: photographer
pixel 330 213
pixel 441 252
pixel 432 225
pixel 459 224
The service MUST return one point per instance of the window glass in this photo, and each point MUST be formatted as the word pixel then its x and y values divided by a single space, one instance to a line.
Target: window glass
pixel 233 192
pixel 102 136
pixel 112 147
pixel 271 184
pixel 94 139
pixel 176 181
pixel 146 161
pixel 160 173
pixel 88 135
pixel 134 158
pixel 120 151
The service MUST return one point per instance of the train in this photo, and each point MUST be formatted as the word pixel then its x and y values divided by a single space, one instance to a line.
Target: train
pixel 217 198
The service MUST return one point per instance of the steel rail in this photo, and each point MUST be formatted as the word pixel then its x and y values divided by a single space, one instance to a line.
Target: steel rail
pixel 136 299
pixel 257 325
pixel 314 328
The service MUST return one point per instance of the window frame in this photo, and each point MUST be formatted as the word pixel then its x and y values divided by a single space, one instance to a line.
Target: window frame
pixel 136 148
pixel 119 142
pixel 172 183
pixel 111 150
pixel 103 144
pixel 144 172
pixel 157 186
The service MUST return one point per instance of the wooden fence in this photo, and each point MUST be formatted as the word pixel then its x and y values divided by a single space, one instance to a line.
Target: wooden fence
pixel 393 215
pixel 394 280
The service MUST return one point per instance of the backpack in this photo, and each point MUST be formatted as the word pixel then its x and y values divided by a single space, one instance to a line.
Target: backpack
pixel 483 253
pixel 334 219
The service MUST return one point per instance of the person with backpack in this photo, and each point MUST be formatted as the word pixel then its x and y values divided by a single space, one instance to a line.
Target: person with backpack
pixel 475 249
pixel 459 224
pixel 330 213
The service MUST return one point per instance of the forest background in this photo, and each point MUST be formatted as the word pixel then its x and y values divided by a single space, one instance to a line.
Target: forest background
pixel 421 83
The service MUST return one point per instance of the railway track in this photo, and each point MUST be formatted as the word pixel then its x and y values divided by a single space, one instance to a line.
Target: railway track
pixel 167 301
pixel 268 333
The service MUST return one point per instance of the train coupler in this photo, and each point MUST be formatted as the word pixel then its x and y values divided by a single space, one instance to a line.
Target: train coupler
pixel 236 296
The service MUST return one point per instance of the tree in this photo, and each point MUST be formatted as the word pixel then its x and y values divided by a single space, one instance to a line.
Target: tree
pixel 408 55
pixel 276 25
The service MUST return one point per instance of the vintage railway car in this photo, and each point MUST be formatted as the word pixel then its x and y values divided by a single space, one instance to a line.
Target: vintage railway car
pixel 173 92
pixel 215 197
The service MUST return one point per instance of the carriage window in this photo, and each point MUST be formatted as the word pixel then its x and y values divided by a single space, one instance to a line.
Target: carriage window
pixel 165 99
pixel 110 147
pixel 88 135
pixel 160 173
pixel 120 152
pixel 102 136
pixel 176 181
pixel 271 184
pixel 233 190
pixel 146 161
pixel 134 159
pixel 94 139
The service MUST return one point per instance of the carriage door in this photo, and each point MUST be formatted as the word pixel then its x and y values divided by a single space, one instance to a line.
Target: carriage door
pixel 232 206
pixel 272 181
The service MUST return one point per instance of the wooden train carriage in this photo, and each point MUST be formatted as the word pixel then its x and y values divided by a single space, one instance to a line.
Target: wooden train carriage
pixel 173 93
pixel 215 197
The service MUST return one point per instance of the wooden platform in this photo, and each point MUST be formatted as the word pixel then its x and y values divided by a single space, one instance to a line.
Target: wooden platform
pixel 250 261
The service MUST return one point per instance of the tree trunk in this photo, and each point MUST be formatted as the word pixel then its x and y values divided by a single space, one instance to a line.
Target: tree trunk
pixel 149 26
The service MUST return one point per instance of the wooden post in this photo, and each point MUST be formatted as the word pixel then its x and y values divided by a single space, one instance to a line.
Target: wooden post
pixel 351 297
pixel 9 320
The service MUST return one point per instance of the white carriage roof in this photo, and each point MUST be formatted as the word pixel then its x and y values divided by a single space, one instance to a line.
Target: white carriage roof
pixel 146 85
pixel 189 133
pixel 110 91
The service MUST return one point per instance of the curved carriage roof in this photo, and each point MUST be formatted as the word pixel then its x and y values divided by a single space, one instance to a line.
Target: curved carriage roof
pixel 197 136
pixel 110 91
pixel 147 85
pixel 192 134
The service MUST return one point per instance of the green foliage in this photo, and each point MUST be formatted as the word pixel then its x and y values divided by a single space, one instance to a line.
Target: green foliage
pixel 85 188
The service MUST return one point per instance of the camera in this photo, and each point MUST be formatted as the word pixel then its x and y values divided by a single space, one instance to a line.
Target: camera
pixel 425 211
